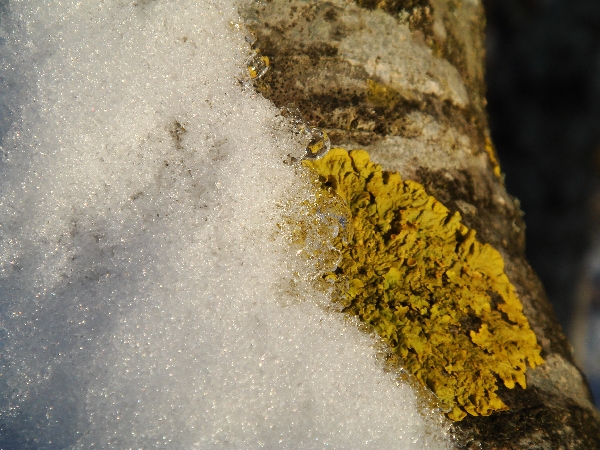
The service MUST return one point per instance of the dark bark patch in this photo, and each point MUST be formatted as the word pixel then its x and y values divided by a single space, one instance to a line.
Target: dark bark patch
pixel 393 7
pixel 536 420
pixel 470 323
pixel 331 15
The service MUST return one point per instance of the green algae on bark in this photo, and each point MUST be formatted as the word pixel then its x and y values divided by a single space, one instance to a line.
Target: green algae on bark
pixel 418 277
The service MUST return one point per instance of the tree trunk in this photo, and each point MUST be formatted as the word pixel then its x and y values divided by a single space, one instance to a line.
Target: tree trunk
pixel 404 80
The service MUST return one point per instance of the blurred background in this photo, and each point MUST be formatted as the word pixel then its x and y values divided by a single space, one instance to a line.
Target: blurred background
pixel 543 75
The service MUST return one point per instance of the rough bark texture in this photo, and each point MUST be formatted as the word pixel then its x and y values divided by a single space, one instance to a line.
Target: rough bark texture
pixel 404 80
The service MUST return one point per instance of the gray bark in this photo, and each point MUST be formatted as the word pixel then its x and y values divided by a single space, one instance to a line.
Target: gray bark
pixel 404 79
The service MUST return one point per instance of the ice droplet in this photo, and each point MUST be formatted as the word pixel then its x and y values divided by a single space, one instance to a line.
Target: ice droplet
pixel 317 141
pixel 319 144
pixel 250 38
pixel 257 65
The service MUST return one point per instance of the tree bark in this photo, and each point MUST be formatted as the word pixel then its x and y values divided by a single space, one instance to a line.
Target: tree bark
pixel 404 80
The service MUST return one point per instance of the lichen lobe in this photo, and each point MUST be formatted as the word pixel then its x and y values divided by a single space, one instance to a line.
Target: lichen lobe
pixel 418 277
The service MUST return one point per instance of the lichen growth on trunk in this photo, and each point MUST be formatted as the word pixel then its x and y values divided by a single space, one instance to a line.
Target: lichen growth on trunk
pixel 418 277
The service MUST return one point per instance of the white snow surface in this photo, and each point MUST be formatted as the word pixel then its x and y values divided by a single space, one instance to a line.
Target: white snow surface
pixel 145 297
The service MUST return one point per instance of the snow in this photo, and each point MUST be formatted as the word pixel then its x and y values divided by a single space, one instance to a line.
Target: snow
pixel 148 298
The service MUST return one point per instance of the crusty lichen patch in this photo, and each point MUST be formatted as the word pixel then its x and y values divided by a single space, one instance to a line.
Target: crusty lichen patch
pixel 422 281
pixel 492 155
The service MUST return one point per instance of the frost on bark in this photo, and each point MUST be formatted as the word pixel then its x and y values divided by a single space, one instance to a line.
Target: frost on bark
pixel 404 80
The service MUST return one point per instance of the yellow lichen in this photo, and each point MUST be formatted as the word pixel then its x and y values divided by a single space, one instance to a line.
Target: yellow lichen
pixel 422 281
pixel 382 95
pixel 491 152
